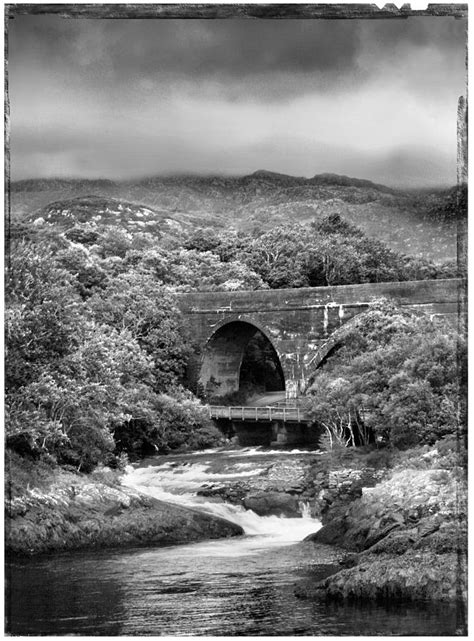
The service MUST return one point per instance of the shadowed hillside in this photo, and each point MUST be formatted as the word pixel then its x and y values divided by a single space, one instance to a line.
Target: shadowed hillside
pixel 415 222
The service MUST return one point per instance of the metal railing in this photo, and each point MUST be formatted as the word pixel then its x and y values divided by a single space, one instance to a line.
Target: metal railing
pixel 286 414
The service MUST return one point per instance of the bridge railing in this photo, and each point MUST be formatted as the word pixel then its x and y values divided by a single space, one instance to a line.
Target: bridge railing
pixel 286 414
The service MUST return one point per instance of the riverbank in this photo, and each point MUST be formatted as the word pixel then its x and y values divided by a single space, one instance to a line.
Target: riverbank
pixel 401 518
pixel 406 536
pixel 60 510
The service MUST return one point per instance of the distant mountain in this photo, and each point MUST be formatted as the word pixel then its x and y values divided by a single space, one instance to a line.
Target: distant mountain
pixel 346 181
pixel 410 222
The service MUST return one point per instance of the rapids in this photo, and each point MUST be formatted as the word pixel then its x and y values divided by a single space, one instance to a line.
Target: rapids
pixel 178 480
pixel 241 586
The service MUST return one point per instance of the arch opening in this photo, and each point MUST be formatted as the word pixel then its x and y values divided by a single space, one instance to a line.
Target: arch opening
pixel 239 362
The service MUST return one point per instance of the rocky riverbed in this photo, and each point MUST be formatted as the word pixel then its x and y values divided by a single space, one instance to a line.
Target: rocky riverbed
pixel 280 488
pixel 401 518
pixel 316 482
pixel 406 536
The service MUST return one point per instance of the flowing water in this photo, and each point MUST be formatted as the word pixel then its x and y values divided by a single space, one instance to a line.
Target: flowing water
pixel 241 586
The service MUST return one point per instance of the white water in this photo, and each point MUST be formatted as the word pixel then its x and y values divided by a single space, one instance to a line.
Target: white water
pixel 178 482
pixel 259 451
pixel 240 586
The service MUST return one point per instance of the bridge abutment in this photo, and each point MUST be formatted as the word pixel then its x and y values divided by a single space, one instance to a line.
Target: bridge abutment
pixel 288 433
pixel 250 434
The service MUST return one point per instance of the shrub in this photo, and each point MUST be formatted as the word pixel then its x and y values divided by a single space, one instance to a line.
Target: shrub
pixel 167 422
pixel 379 459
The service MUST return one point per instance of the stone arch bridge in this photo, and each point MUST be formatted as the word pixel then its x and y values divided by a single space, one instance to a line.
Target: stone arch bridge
pixel 298 323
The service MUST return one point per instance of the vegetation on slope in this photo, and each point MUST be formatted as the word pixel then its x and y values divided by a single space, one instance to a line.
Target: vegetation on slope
pixel 416 222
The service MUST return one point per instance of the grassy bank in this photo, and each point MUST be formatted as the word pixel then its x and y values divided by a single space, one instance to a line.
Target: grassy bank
pixel 51 509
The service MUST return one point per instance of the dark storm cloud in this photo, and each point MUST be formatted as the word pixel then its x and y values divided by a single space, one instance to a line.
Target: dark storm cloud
pixel 130 97
pixel 234 48
pixel 238 48
pixel 416 32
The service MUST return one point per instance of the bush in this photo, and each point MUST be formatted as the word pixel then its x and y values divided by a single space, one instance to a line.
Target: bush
pixel 22 472
pixel 452 452
pixel 167 422
pixel 380 459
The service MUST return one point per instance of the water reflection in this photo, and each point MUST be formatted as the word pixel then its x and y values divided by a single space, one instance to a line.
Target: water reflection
pixel 161 592
pixel 63 595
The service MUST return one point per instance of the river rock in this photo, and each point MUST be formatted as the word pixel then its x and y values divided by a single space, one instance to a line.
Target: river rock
pixel 413 576
pixel 272 503
pixel 395 543
pixel 349 560
pixel 410 533
pixel 377 533
pixel 333 533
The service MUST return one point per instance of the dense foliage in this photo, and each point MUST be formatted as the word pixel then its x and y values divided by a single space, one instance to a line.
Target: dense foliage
pixel 86 363
pixel 393 377
pixel 327 252
pixel 95 354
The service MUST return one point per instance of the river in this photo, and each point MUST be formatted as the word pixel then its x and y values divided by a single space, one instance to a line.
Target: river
pixel 243 586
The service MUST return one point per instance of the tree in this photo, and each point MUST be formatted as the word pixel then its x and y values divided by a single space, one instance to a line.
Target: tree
pixel 202 239
pixel 114 241
pixel 43 312
pixel 189 269
pixel 335 224
pixel 165 422
pixel 89 273
pixel 395 374
pixel 279 256
pixel 137 303
pixel 79 373
pixel 65 375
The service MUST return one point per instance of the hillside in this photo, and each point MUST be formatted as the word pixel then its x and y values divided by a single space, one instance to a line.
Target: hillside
pixel 409 222
pixel 105 211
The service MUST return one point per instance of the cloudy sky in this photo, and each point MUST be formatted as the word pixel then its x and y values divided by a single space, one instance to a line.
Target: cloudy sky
pixel 373 99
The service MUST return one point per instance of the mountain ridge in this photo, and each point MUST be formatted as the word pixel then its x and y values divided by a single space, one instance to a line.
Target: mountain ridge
pixel 322 178
pixel 410 222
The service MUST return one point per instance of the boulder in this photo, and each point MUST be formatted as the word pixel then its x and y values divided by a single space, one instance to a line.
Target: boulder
pixel 376 534
pixel 332 533
pixel 349 560
pixel 395 543
pixel 272 503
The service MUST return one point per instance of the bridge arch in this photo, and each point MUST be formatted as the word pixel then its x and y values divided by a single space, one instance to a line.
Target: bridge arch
pixel 328 348
pixel 317 360
pixel 225 352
